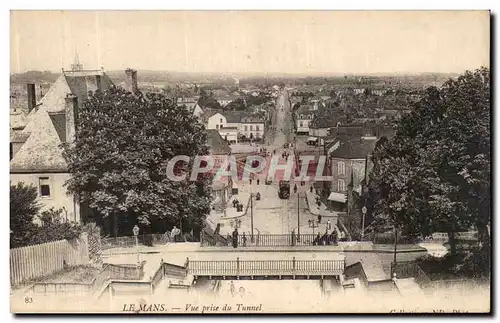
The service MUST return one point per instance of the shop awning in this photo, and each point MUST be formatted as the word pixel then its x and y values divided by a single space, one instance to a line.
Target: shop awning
pixel 312 139
pixel 337 197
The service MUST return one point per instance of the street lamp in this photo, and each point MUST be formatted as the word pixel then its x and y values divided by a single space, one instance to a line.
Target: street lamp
pixel 363 210
pixel 136 233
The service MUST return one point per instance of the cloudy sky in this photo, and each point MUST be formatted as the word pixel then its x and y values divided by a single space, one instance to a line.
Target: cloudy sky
pixel 252 41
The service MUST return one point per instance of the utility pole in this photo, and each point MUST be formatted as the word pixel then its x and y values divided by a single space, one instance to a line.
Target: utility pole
pixel 251 216
pixel 298 216
pixel 395 243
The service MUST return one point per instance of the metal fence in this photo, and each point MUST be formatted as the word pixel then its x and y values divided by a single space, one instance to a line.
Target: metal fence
pixel 129 241
pixel 265 267
pixel 267 240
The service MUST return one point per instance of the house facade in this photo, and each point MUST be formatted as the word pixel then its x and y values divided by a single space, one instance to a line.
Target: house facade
pixel 350 162
pixel 36 154
pixel 304 115
pixel 215 120
pixel 230 134
pixel 251 128
pixel 224 100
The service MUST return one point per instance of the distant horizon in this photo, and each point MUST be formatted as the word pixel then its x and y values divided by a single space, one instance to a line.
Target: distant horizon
pixel 262 74
pixel 250 42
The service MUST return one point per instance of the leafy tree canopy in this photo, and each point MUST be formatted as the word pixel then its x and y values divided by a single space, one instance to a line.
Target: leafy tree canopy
pixel 434 175
pixel 28 226
pixel 119 158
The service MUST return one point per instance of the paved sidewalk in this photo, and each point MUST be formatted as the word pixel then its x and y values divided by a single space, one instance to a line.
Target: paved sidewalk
pixel 315 209
pixel 231 213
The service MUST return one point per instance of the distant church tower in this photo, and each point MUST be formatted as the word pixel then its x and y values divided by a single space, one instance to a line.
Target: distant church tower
pixel 76 66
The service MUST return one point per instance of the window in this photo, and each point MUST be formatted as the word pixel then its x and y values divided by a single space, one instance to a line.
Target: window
pixel 44 186
pixel 221 120
pixel 341 185
pixel 257 128
pixel 341 168
pixel 246 128
pixel 251 128
pixel 301 124
pixel 302 116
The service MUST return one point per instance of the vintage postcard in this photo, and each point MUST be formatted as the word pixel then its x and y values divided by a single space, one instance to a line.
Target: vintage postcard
pixel 250 162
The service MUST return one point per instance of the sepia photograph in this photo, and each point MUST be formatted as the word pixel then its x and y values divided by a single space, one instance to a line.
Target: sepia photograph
pixel 250 162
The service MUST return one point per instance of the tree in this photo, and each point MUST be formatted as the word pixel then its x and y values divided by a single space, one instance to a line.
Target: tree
pixel 54 227
pixel 23 210
pixel 119 158
pixel 434 175
pixel 238 105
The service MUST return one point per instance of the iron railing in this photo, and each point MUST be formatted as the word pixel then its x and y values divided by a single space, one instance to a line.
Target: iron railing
pixel 129 241
pixel 268 240
pixel 265 267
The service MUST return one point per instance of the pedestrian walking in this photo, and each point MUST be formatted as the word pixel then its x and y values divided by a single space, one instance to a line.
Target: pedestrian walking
pixel 258 181
pixel 235 238
pixel 244 240
pixel 329 225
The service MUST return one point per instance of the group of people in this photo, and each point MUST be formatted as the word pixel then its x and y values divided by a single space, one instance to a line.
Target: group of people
pixel 326 239
pixel 235 236
pixel 238 205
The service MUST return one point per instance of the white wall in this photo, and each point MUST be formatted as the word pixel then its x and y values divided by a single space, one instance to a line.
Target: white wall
pixel 58 193
pixel 230 134
pixel 303 125
pixel 245 130
pixel 216 121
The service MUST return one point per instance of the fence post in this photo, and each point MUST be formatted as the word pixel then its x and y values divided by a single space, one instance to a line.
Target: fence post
pixel 186 265
pixel 293 266
pixel 238 267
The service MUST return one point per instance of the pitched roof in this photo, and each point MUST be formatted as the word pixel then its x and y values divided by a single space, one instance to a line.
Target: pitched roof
pixel 354 148
pixel 19 137
pixel 46 125
pixel 252 119
pixel 305 108
pixel 234 116
pixel 40 152
pixel 59 121
pixel 218 146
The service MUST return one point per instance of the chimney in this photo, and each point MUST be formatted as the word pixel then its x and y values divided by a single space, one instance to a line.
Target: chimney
pixel 31 97
pixel 71 109
pixel 131 82
pixel 93 83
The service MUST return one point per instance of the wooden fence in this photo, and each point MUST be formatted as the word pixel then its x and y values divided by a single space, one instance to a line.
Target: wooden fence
pixel 408 269
pixel 41 260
